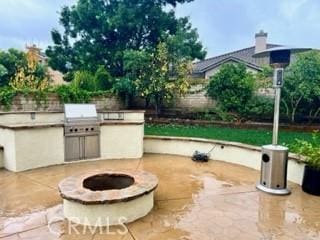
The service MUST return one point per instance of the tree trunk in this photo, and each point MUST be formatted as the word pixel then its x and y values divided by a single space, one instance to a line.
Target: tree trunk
pixel 287 108
pixel 294 109
pixel 147 102
pixel 293 114
pixel 157 106
pixel 313 116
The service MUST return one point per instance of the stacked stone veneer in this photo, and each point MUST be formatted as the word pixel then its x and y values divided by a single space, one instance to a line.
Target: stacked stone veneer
pixel 23 103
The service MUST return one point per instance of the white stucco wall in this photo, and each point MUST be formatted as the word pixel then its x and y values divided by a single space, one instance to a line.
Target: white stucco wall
pixel 232 152
pixel 122 141
pixel 38 147
pixel 213 71
pixel 28 144
pixel 1 158
pixel 12 118
pixel 7 140
pixel 108 214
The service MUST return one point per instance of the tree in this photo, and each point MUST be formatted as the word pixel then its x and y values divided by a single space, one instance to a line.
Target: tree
pixel 156 84
pixel 184 43
pixel 137 69
pixel 10 61
pixel 3 71
pixel 32 76
pixel 301 91
pixel 16 62
pixel 98 32
pixel 125 89
pixel 232 87
pixel 103 79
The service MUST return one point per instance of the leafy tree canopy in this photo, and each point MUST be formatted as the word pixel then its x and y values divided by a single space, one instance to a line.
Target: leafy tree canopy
pixel 152 74
pixel 301 91
pixel 32 76
pixel 98 32
pixel 15 64
pixel 10 62
pixel 3 70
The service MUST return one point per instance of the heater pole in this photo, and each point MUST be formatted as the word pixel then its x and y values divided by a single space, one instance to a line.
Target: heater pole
pixel 276 116
pixel 277 84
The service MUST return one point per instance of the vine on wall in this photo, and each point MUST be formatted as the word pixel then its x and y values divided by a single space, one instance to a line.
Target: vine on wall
pixel 65 93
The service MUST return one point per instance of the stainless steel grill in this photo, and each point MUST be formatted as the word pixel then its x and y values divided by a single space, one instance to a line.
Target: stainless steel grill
pixel 81 131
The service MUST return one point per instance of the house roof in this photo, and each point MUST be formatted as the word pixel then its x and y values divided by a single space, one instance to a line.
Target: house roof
pixel 243 55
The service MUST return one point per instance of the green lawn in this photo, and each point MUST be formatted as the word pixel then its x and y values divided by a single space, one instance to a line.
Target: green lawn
pixel 250 136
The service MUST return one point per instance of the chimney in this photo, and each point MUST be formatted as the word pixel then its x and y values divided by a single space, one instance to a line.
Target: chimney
pixel 261 41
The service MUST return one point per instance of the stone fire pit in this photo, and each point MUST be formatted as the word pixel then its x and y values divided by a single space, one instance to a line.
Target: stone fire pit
pixel 107 198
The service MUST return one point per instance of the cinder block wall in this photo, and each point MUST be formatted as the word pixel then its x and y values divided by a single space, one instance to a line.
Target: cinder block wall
pixel 194 101
pixel 23 103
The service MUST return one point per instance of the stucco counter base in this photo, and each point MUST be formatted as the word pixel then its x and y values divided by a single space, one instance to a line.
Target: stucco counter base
pixel 108 214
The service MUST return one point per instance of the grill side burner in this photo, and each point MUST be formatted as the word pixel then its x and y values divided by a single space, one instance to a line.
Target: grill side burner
pixel 82 132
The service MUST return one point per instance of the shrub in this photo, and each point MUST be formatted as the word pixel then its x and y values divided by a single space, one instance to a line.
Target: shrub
pixel 84 80
pixel 103 79
pixel 72 94
pixel 258 107
pixel 6 97
pixel 125 89
pixel 309 149
pixel 8 93
pixel 68 77
pixel 232 87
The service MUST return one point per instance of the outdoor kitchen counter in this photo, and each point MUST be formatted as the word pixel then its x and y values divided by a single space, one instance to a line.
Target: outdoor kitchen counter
pixel 30 125
pixel 35 143
pixel 31 145
pixel 121 122
pixel 61 124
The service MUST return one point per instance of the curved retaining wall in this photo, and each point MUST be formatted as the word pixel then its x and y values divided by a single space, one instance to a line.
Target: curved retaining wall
pixel 232 152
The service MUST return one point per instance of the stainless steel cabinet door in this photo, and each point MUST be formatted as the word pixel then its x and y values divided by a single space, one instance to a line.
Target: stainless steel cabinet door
pixel 73 149
pixel 91 146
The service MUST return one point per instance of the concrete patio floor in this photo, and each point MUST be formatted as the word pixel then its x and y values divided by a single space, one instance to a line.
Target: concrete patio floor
pixel 213 201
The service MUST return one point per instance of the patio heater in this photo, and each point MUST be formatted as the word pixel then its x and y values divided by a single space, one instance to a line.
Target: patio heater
pixel 274 160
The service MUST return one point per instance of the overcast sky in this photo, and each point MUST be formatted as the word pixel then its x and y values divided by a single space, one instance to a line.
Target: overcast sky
pixel 222 25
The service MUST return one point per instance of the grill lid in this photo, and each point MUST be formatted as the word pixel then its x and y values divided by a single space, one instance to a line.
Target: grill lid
pixel 80 112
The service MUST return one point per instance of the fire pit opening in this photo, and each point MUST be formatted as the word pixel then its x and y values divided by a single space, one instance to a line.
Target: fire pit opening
pixel 103 182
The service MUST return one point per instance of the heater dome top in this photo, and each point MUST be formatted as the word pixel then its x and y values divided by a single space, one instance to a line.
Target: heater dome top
pixel 292 49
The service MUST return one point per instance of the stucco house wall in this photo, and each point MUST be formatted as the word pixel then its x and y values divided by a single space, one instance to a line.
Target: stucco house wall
pixel 213 71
